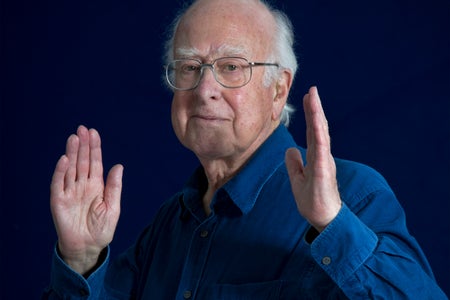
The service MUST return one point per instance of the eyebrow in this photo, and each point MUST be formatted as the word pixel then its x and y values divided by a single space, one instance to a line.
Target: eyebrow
pixel 186 52
pixel 224 50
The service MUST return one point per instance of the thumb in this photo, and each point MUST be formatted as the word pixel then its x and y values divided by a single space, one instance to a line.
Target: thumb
pixel 294 164
pixel 113 188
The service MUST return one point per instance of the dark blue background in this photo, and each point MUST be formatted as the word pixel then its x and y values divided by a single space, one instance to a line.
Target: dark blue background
pixel 382 68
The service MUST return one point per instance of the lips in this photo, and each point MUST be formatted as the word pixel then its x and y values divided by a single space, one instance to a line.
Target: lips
pixel 208 117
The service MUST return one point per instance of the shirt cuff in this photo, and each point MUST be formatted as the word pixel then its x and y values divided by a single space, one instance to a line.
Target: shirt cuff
pixel 64 281
pixel 343 246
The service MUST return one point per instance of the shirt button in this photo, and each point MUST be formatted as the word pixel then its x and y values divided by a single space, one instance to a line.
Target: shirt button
pixel 187 294
pixel 83 292
pixel 204 233
pixel 326 260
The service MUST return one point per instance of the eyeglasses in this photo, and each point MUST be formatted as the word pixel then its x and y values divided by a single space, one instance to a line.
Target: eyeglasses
pixel 230 72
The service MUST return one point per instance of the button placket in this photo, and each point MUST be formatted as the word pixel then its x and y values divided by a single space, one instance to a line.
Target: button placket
pixel 196 259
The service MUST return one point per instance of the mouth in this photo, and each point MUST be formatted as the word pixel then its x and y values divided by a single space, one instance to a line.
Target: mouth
pixel 208 118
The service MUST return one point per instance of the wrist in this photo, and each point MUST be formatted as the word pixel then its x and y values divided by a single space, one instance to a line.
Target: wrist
pixel 325 220
pixel 85 262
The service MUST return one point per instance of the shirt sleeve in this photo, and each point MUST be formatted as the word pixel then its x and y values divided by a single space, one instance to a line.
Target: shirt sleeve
pixel 369 253
pixel 65 283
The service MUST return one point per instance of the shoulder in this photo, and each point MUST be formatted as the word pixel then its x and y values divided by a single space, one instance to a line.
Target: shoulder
pixel 358 182
pixel 167 211
pixel 348 171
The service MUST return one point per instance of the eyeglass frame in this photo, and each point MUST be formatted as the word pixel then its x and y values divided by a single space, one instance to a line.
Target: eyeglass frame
pixel 251 64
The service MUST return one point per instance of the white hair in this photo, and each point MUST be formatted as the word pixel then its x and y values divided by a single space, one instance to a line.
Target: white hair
pixel 283 51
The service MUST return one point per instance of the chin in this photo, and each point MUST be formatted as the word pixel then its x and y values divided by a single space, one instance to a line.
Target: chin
pixel 210 151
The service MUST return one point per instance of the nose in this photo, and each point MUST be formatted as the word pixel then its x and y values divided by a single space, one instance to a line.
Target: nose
pixel 207 77
pixel 207 86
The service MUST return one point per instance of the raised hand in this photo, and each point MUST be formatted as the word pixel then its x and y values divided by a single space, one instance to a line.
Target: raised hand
pixel 314 185
pixel 85 210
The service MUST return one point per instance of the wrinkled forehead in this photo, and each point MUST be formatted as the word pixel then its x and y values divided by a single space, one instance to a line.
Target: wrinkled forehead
pixel 213 28
pixel 221 51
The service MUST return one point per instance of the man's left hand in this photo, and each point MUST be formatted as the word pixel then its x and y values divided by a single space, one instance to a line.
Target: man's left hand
pixel 314 184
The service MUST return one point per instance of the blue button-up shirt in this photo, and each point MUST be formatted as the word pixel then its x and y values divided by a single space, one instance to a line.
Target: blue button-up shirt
pixel 256 245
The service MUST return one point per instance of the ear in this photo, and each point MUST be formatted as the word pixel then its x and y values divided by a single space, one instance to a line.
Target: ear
pixel 281 93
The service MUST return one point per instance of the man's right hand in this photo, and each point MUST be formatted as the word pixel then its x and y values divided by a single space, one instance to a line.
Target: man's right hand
pixel 85 210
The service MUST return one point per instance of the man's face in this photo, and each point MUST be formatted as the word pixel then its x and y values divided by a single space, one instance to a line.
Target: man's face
pixel 213 121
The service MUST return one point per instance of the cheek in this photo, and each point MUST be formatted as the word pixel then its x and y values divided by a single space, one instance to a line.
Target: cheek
pixel 252 108
pixel 178 117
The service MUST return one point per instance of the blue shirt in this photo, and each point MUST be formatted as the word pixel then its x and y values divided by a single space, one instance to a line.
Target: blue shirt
pixel 256 245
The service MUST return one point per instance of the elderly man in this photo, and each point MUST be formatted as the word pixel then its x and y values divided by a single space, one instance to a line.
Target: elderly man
pixel 254 221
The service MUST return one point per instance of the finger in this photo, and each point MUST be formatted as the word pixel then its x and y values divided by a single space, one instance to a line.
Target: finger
pixel 318 138
pixel 83 153
pixel 113 188
pixel 96 165
pixel 316 119
pixel 72 146
pixel 294 164
pixel 57 185
pixel 308 119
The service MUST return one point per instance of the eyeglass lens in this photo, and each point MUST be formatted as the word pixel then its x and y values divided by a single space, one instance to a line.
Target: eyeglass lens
pixel 230 72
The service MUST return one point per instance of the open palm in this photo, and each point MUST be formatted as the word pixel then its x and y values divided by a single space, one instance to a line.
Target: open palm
pixel 85 210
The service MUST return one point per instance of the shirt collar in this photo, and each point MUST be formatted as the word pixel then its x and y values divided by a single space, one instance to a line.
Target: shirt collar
pixel 244 188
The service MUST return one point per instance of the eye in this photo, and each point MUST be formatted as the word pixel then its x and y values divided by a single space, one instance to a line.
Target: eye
pixel 230 67
pixel 189 68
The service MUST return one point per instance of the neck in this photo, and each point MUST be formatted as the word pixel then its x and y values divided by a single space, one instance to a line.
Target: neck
pixel 218 173
pixel 219 170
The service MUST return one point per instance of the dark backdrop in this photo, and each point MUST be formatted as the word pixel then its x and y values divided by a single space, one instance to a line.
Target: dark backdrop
pixel 382 68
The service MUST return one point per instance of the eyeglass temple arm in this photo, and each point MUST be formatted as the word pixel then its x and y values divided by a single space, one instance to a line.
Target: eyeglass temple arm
pixel 253 63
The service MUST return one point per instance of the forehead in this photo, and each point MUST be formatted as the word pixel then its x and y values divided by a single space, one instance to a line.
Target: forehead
pixel 223 50
pixel 214 28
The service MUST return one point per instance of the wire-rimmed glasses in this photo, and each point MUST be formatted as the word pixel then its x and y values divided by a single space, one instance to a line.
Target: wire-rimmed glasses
pixel 230 72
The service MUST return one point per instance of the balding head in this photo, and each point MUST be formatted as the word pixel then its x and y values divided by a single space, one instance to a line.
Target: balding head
pixel 234 23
